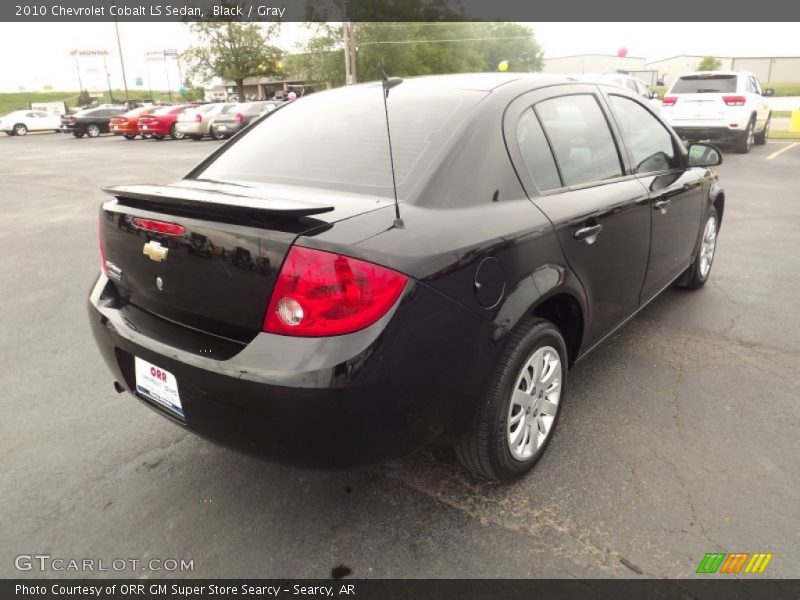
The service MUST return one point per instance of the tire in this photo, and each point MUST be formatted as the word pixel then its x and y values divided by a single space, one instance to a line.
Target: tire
pixel 77 135
pixel 217 135
pixel 744 142
pixel 20 129
pixel 93 130
pixel 762 137
pixel 697 274
pixel 156 137
pixel 487 450
pixel 176 135
pixel 129 136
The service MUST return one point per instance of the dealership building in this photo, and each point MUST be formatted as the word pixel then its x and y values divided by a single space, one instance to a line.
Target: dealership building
pixel 772 69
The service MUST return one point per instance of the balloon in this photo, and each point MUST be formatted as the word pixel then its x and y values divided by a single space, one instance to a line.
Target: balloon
pixel 503 66
pixel 622 52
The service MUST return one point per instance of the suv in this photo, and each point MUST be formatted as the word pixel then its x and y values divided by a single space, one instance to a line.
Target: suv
pixel 724 106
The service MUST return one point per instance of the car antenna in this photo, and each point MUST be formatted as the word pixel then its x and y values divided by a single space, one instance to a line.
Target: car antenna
pixel 388 83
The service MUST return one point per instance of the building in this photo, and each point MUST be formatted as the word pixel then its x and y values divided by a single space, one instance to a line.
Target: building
pixel 769 69
pixel 260 88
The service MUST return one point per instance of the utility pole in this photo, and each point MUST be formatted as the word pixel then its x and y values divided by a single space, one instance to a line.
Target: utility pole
pixel 78 68
pixel 108 78
pixel 122 64
pixel 349 45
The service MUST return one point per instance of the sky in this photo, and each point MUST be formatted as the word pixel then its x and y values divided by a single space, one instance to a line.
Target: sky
pixel 36 55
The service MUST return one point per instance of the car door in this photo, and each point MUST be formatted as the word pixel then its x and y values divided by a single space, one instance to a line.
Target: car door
pixel 31 122
pixel 676 192
pixel 762 108
pixel 562 143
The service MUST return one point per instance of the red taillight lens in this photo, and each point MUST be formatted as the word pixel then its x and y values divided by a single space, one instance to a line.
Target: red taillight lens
pixel 239 118
pixel 159 226
pixel 734 100
pixel 102 244
pixel 320 293
pixel 669 100
pixel 198 118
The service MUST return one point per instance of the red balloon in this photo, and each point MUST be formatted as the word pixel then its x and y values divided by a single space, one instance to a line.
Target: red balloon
pixel 622 52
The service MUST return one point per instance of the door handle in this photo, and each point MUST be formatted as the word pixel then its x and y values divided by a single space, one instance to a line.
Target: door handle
pixel 662 204
pixel 588 234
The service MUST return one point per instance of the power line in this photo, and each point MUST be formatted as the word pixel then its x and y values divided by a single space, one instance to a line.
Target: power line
pixel 480 39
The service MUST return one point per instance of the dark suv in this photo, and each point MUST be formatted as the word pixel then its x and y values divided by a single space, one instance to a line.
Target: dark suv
pixel 281 303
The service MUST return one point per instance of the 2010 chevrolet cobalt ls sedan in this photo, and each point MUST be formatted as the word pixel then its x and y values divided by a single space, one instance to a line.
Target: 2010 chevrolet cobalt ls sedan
pixel 273 301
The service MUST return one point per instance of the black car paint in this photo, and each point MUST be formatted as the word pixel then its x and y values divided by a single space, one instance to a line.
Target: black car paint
pixel 418 373
pixel 100 116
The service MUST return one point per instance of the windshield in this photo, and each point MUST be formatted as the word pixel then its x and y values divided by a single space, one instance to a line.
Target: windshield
pixel 337 139
pixel 704 84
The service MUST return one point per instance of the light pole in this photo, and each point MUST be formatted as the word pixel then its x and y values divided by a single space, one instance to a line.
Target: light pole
pixel 122 64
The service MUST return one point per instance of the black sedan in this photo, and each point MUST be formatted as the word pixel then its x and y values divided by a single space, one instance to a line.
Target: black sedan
pixel 290 309
pixel 240 116
pixel 91 122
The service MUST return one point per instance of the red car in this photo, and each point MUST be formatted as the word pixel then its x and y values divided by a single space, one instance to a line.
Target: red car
pixel 127 125
pixel 161 123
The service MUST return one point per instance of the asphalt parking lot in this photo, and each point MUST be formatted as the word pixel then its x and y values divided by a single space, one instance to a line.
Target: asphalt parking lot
pixel 680 436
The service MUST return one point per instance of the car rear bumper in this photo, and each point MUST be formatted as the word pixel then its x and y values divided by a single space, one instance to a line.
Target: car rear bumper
pixel 191 128
pixel 317 402
pixel 705 132
pixel 153 130
pixel 228 128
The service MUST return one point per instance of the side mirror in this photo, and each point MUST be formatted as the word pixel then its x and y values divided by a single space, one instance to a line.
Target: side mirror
pixel 704 155
pixel 769 92
pixel 654 95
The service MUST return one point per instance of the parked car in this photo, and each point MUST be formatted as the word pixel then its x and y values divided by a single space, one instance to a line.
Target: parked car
pixel 332 327
pixel 161 122
pixel 196 122
pixel 91 122
pixel 722 106
pixel 636 85
pixel 20 122
pixel 237 118
pixel 127 125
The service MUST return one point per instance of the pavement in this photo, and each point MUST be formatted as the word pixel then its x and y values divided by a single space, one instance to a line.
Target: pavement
pixel 679 436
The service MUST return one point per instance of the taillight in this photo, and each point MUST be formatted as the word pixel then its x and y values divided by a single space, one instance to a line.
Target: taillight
pixel 159 226
pixel 102 244
pixel 321 293
pixel 734 100
pixel 239 118
pixel 198 118
pixel 669 100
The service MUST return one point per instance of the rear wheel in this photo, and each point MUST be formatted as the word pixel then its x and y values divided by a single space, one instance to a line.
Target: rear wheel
pixel 157 137
pixel 697 274
pixel 20 129
pixel 93 130
pixel 761 138
pixel 745 141
pixel 521 404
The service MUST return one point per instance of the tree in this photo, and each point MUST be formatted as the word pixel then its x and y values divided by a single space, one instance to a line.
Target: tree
pixel 419 48
pixel 709 63
pixel 233 51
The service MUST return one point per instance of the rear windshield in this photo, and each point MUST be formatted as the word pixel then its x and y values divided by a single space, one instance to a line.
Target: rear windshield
pixel 700 84
pixel 337 139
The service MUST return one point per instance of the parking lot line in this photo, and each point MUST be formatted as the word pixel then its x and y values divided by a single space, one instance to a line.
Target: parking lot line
pixel 782 150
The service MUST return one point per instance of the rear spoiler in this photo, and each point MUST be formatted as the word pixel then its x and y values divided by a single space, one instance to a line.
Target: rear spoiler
pixel 216 201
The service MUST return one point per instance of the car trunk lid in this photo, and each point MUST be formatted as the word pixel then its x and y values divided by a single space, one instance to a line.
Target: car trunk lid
pixel 214 273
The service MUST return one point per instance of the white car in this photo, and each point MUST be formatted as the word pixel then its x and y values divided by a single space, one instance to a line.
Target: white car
pixel 721 106
pixel 634 84
pixel 20 122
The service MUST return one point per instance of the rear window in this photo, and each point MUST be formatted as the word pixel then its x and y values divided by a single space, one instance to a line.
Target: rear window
pixel 704 84
pixel 337 140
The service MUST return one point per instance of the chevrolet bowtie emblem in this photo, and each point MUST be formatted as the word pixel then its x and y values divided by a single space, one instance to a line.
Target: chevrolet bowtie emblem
pixel 155 251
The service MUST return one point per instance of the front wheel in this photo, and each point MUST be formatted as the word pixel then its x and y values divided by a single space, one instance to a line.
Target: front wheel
pixel 697 274
pixel 93 130
pixel 761 138
pixel 521 404
pixel 20 129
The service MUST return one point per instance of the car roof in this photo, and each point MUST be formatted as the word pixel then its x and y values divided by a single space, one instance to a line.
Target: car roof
pixel 485 82
pixel 712 73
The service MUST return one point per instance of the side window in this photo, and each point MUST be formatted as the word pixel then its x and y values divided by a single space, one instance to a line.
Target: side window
pixel 30 115
pixel 631 84
pixel 643 91
pixel 651 145
pixel 756 86
pixel 581 140
pixel 536 152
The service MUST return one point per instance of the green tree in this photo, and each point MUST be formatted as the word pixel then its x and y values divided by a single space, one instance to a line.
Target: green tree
pixel 709 63
pixel 418 48
pixel 233 51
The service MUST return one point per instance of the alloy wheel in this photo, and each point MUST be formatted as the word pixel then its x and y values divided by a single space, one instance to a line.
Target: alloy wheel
pixel 534 403
pixel 93 130
pixel 708 246
pixel 20 129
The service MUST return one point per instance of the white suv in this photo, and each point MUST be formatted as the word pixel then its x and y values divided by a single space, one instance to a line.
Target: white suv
pixel 724 106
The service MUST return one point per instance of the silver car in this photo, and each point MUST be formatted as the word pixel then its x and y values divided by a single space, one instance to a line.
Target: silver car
pixel 196 122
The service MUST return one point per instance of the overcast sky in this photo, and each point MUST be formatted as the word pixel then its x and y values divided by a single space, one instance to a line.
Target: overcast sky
pixel 37 54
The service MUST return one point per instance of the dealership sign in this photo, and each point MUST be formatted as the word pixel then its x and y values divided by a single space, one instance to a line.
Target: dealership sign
pixel 77 52
pixel 56 109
